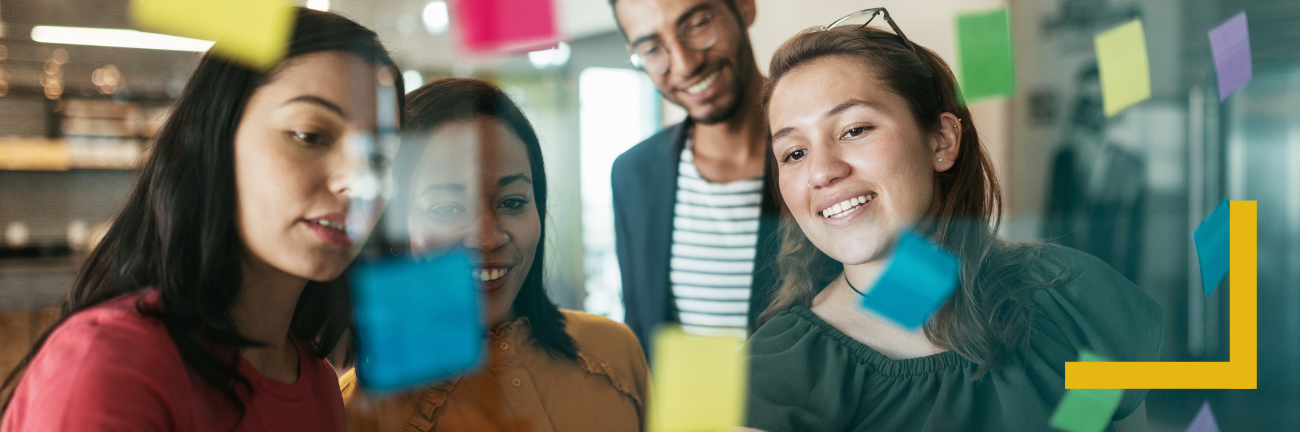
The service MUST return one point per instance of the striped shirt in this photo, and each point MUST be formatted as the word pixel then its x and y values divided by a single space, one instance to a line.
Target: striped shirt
pixel 715 232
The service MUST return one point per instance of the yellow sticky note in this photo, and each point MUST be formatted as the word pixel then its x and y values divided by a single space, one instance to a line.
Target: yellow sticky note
pixel 1122 60
pixel 252 32
pixel 699 382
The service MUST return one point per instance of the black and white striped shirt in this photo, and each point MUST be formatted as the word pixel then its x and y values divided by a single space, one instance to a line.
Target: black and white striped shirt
pixel 715 233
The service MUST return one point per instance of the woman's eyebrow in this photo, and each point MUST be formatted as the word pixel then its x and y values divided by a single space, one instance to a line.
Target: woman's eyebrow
pixel 320 102
pixel 505 180
pixel 835 110
pixel 443 187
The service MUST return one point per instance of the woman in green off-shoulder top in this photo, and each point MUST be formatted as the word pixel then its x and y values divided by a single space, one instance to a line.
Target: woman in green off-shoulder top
pixel 869 140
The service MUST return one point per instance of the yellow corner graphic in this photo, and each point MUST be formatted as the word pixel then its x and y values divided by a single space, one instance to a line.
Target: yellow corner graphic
pixel 1239 372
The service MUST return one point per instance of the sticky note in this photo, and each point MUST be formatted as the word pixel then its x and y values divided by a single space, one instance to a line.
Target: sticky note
pixel 699 382
pixel 252 32
pixel 1230 44
pixel 417 320
pixel 1086 410
pixel 984 54
pixel 1211 240
pixel 1204 421
pixel 506 25
pixel 1122 61
pixel 920 277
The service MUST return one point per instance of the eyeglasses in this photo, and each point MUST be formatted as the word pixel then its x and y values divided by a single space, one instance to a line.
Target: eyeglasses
pixel 874 12
pixel 697 32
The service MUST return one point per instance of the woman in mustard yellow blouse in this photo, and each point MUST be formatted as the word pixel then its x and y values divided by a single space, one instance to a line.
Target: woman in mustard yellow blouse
pixel 546 369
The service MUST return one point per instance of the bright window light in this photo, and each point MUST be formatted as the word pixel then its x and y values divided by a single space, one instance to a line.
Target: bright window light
pixel 120 38
pixel 412 79
pixel 436 18
pixel 320 5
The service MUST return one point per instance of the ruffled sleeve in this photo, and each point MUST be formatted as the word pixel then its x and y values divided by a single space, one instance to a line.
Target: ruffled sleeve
pixel 1095 308
pixel 610 349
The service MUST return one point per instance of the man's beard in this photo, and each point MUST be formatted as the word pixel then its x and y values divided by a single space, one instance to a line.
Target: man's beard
pixel 742 72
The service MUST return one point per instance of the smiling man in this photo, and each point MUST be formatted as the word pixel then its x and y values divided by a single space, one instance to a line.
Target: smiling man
pixel 692 210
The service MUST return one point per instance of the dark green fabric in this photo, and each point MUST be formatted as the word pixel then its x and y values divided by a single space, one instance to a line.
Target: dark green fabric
pixel 808 376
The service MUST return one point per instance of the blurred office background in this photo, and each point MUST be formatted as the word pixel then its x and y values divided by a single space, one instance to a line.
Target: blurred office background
pixel 1130 189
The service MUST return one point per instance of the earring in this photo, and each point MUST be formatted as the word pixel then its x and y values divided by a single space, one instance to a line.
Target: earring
pixel 940 159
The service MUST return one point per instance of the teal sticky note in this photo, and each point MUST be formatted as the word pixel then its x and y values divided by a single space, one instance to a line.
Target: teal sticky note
pixel 417 320
pixel 985 54
pixel 1086 410
pixel 919 279
pixel 1212 248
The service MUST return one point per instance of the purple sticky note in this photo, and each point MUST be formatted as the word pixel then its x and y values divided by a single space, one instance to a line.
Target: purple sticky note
pixel 1204 421
pixel 506 25
pixel 1230 43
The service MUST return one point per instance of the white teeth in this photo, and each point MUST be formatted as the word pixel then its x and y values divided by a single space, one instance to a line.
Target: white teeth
pixel 486 275
pixel 331 225
pixel 702 85
pixel 847 206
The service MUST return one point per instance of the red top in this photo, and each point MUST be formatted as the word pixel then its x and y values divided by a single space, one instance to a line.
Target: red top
pixel 110 368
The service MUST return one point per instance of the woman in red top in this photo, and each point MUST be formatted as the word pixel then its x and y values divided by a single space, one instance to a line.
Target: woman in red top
pixel 213 298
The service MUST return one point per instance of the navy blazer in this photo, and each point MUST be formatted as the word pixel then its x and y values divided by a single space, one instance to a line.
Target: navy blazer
pixel 645 192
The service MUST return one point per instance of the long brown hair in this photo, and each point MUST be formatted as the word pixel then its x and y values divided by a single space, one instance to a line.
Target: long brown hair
pixel 989 313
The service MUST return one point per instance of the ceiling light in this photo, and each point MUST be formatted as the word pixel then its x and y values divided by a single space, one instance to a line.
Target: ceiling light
pixel 320 5
pixel 557 56
pixel 120 38
pixel 436 18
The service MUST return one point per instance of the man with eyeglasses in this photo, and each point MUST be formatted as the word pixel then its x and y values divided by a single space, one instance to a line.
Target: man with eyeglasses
pixel 692 209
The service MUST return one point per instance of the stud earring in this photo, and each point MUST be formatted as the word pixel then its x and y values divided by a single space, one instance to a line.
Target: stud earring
pixel 940 159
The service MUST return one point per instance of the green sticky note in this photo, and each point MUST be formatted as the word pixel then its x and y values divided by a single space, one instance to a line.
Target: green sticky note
pixel 252 32
pixel 1122 61
pixel 1086 410
pixel 699 382
pixel 984 54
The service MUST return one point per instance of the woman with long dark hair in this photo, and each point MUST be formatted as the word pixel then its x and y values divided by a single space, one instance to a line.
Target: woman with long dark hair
pixel 477 171
pixel 213 299
pixel 869 139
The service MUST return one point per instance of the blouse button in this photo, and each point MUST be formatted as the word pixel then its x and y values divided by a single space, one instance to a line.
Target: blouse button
pixel 504 346
pixel 517 382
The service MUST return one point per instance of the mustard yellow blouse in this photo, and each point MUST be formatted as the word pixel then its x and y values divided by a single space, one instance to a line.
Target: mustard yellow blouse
pixel 522 388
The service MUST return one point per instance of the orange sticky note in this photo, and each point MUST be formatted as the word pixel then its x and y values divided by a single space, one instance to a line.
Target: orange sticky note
pixel 699 382
pixel 252 32
pixel 1122 61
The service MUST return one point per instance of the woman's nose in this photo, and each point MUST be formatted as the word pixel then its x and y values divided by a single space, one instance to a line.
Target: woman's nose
pixel 487 235
pixel 827 168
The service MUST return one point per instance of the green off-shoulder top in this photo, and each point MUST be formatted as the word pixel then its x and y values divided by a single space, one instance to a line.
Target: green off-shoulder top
pixel 805 375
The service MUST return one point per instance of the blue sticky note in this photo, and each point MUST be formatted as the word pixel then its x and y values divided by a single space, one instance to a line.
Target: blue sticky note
pixel 417 320
pixel 1230 44
pixel 920 277
pixel 1211 240
pixel 1204 421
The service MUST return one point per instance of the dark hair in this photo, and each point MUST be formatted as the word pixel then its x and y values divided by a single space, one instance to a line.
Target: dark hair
pixel 731 5
pixel 989 314
pixel 177 231
pixel 459 99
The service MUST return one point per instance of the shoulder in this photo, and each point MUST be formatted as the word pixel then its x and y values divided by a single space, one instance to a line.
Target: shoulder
pixel 598 335
pixel 107 365
pixel 111 330
pixel 611 349
pixel 795 334
pixel 647 153
pixel 1089 305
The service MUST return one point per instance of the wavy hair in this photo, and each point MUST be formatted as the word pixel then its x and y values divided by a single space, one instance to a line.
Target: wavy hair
pixel 989 314
pixel 178 233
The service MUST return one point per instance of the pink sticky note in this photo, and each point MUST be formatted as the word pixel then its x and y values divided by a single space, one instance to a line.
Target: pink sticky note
pixel 1230 44
pixel 1204 421
pixel 505 25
